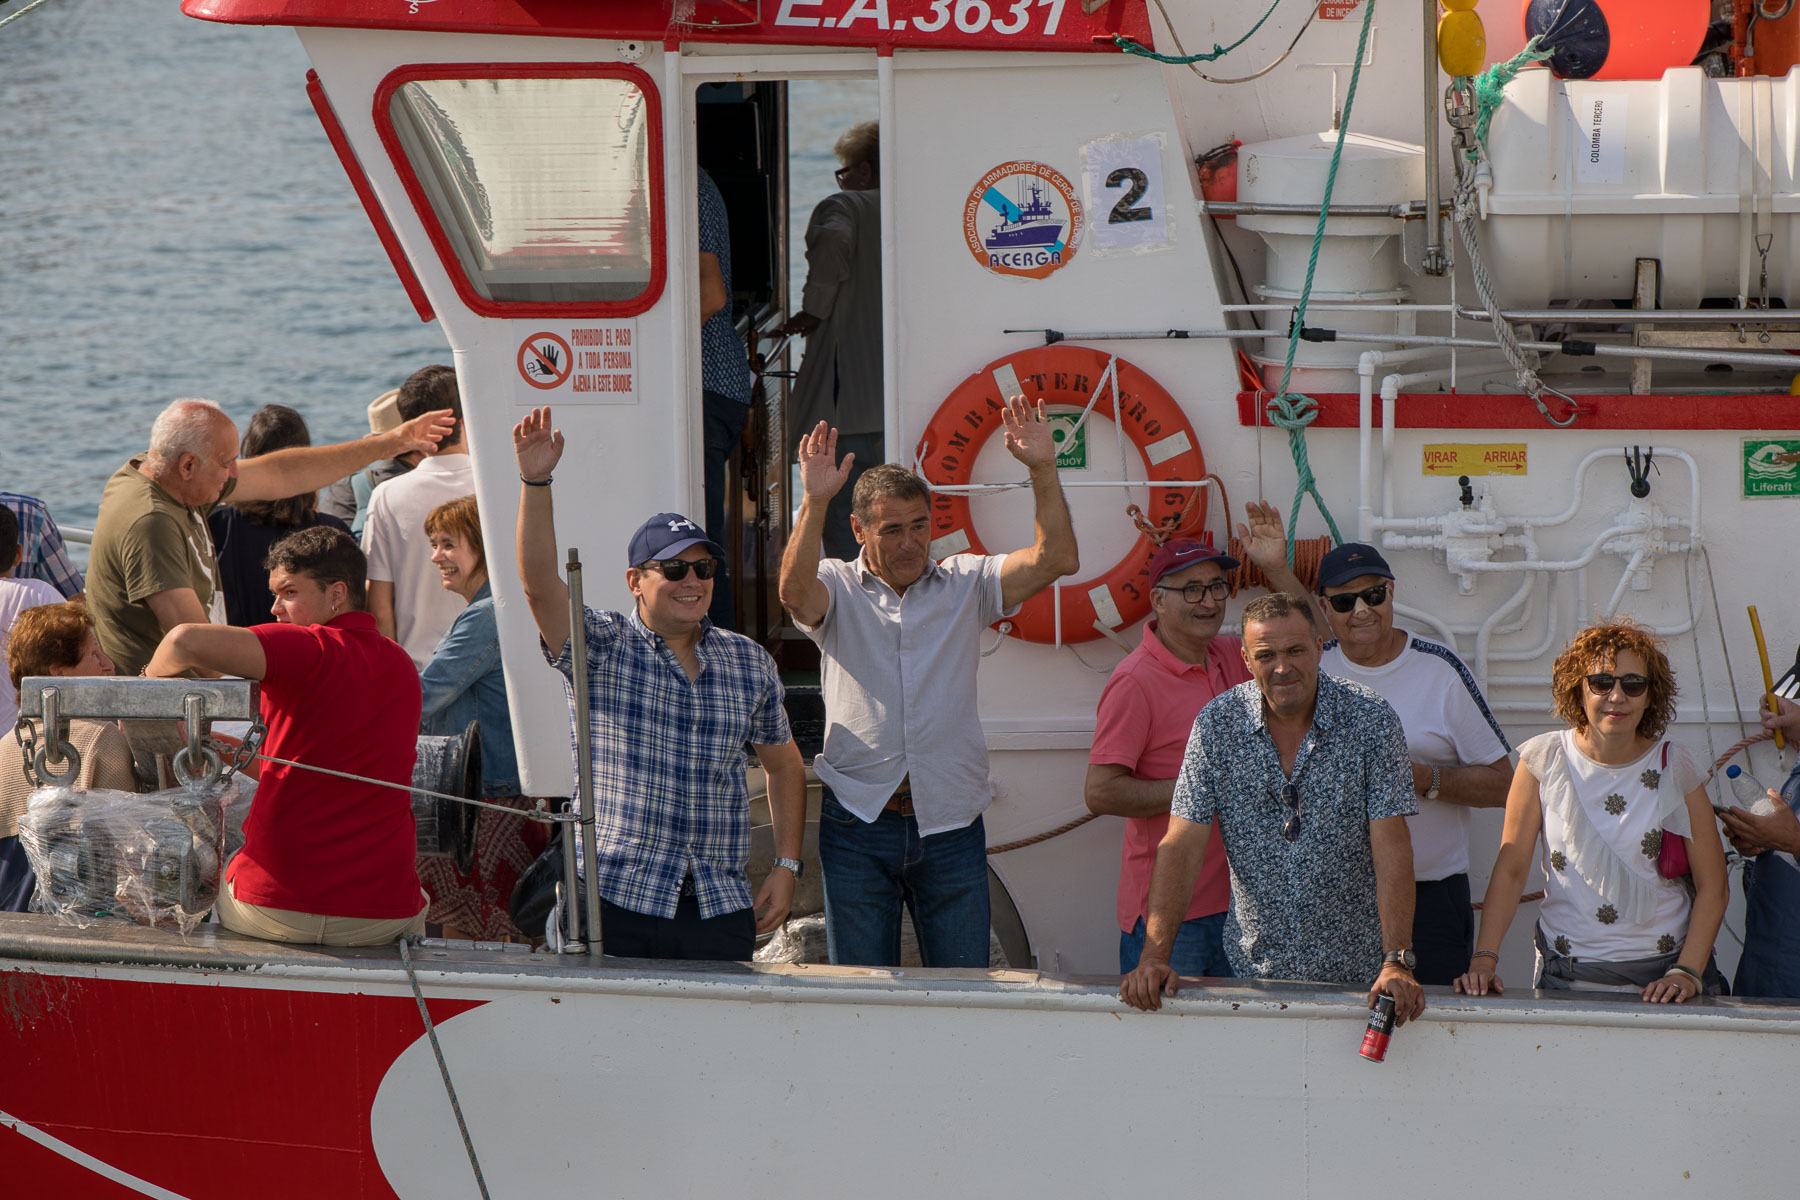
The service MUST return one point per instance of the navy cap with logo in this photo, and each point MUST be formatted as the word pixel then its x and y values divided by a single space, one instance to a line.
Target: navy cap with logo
pixel 665 535
pixel 1352 560
pixel 1178 553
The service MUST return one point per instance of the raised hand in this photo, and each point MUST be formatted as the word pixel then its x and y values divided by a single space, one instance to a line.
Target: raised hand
pixel 424 432
pixel 1028 433
pixel 822 476
pixel 1264 539
pixel 537 446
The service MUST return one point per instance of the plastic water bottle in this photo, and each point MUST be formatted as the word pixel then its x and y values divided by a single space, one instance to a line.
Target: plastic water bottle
pixel 1749 793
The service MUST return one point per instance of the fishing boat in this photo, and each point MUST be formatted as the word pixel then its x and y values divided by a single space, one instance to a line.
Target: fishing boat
pixel 1519 330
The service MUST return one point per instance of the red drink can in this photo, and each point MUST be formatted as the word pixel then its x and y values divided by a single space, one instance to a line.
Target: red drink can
pixel 1380 1030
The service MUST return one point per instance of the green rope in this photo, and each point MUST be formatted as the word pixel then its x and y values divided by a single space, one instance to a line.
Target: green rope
pixel 1489 89
pixel 1293 411
pixel 1131 46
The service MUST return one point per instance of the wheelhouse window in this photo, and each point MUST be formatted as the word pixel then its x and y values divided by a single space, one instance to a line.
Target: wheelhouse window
pixel 543 193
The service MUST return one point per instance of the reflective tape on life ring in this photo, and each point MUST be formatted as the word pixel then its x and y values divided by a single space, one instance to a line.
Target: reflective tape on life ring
pixel 1066 376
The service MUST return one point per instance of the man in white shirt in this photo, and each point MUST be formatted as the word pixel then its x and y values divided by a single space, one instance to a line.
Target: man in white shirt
pixel 899 636
pixel 406 593
pixel 1459 755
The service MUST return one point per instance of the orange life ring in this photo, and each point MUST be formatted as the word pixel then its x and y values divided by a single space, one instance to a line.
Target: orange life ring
pixel 1066 375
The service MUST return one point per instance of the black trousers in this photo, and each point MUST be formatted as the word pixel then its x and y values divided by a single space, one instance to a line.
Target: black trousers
pixel 1443 928
pixel 728 937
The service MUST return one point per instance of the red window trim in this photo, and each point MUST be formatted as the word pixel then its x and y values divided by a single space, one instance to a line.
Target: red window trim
pixel 453 266
pixel 359 181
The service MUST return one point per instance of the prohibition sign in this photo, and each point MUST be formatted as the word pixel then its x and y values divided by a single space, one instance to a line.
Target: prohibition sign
pixel 545 361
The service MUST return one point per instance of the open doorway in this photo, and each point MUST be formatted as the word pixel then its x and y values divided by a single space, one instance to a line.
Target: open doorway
pixel 768 148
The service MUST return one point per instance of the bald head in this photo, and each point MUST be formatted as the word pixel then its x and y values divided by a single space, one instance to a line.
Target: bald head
pixel 193 451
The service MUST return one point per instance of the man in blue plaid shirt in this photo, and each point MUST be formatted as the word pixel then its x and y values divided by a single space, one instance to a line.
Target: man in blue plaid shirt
pixel 672 700
pixel 42 545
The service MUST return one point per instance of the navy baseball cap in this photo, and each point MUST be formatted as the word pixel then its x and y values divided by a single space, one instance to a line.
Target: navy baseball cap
pixel 1352 560
pixel 667 534
pixel 1173 555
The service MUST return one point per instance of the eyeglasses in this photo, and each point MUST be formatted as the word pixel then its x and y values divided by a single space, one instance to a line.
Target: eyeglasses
pixel 1194 593
pixel 1290 828
pixel 675 569
pixel 1345 602
pixel 1601 683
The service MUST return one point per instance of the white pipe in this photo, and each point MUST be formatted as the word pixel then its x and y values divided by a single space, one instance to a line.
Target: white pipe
pixel 1631 565
pixel 891 177
pixel 678 196
pixel 1486 633
pixel 1461 566
pixel 1365 420
pixel 1421 617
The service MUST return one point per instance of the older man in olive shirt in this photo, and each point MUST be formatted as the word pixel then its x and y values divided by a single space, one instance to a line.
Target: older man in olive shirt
pixel 152 566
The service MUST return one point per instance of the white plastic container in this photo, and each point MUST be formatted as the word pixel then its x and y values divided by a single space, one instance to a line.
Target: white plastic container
pixel 1591 176
pixel 1359 262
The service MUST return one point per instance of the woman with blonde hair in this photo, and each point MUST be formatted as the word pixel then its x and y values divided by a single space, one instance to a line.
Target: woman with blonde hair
pixel 54 639
pixel 1606 795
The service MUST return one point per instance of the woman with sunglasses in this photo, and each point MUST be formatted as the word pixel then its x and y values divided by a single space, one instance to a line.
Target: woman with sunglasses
pixel 1603 795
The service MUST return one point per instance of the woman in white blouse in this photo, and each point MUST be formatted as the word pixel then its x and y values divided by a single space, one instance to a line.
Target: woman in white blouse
pixel 1604 794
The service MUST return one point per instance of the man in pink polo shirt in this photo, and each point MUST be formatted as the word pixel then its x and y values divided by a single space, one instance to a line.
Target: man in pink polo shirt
pixel 1146 712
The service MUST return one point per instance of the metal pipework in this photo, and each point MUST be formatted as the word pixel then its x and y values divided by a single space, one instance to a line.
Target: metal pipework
pixel 1410 210
pixel 1432 262
pixel 584 771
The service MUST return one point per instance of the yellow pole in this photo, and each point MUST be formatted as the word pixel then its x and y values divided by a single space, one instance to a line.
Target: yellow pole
pixel 1762 652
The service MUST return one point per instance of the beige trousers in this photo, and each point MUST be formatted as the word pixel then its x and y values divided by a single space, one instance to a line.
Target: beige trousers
pixel 281 925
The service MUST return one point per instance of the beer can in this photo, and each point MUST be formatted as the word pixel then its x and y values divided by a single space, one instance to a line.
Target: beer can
pixel 1380 1030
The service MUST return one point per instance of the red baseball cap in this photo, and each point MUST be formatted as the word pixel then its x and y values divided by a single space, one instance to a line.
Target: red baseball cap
pixel 1177 553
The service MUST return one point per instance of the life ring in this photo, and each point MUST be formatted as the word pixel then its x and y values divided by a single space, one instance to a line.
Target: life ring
pixel 1066 375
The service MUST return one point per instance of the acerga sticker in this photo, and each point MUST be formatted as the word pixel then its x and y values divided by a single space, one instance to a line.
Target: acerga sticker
pixel 1022 218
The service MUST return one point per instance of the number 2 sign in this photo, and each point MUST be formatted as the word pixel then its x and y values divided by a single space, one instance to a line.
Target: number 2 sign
pixel 1123 179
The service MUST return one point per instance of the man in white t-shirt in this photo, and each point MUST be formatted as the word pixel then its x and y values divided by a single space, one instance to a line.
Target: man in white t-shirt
pixel 406 593
pixel 1459 754
pixel 16 595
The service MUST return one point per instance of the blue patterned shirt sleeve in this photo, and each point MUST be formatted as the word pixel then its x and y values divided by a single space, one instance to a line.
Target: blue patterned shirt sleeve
pixel 44 554
pixel 1390 787
pixel 724 363
pixel 1193 786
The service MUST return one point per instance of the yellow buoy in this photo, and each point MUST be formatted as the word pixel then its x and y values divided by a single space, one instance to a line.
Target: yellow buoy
pixel 1461 42
pixel 1458 5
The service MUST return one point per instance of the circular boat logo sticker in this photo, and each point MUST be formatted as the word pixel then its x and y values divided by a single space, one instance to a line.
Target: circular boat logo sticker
pixel 545 360
pixel 1022 218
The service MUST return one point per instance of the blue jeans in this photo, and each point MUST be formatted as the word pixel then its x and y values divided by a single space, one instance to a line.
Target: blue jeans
pixel 1199 949
pixel 871 870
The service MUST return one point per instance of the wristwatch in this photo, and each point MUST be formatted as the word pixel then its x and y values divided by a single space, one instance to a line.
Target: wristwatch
pixel 1400 958
pixel 1437 782
pixel 792 864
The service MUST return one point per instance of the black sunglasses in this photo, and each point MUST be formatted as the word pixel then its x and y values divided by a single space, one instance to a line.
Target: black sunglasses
pixel 675 569
pixel 1194 593
pixel 1601 683
pixel 1345 602
pixel 1290 828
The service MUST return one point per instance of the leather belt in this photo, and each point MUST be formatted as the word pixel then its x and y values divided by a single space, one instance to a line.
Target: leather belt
pixel 901 801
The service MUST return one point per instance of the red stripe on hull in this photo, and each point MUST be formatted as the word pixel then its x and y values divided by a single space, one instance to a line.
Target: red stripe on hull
pixel 208 1090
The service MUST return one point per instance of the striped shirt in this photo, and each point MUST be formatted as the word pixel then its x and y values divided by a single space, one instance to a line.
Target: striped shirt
pixel 44 557
pixel 668 760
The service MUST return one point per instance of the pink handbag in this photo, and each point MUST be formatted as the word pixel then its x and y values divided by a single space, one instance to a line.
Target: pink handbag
pixel 1672 859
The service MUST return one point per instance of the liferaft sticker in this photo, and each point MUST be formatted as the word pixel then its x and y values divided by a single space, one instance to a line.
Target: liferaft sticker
pixel 1771 467
pixel 1022 218
pixel 1475 458
pixel 593 362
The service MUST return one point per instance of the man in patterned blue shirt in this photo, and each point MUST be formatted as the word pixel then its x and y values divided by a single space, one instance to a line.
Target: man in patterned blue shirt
pixel 725 379
pixel 672 699
pixel 1309 781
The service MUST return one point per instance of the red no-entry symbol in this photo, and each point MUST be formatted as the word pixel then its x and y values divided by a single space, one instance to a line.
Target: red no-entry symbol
pixel 545 360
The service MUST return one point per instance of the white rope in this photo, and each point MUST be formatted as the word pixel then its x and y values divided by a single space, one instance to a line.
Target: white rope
pixel 437 1051
pixel 11 17
pixel 529 814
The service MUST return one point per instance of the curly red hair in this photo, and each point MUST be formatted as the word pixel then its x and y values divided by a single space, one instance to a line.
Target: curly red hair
pixel 1597 648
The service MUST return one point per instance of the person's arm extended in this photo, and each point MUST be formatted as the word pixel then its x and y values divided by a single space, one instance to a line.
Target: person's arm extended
pixel 786 772
pixel 803 593
pixel 1395 892
pixel 1483 785
pixel 1112 791
pixel 381 607
pixel 1518 838
pixel 538 449
pixel 1052 553
pixel 1172 880
pixel 225 649
pixel 176 606
pixel 1265 545
pixel 283 473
